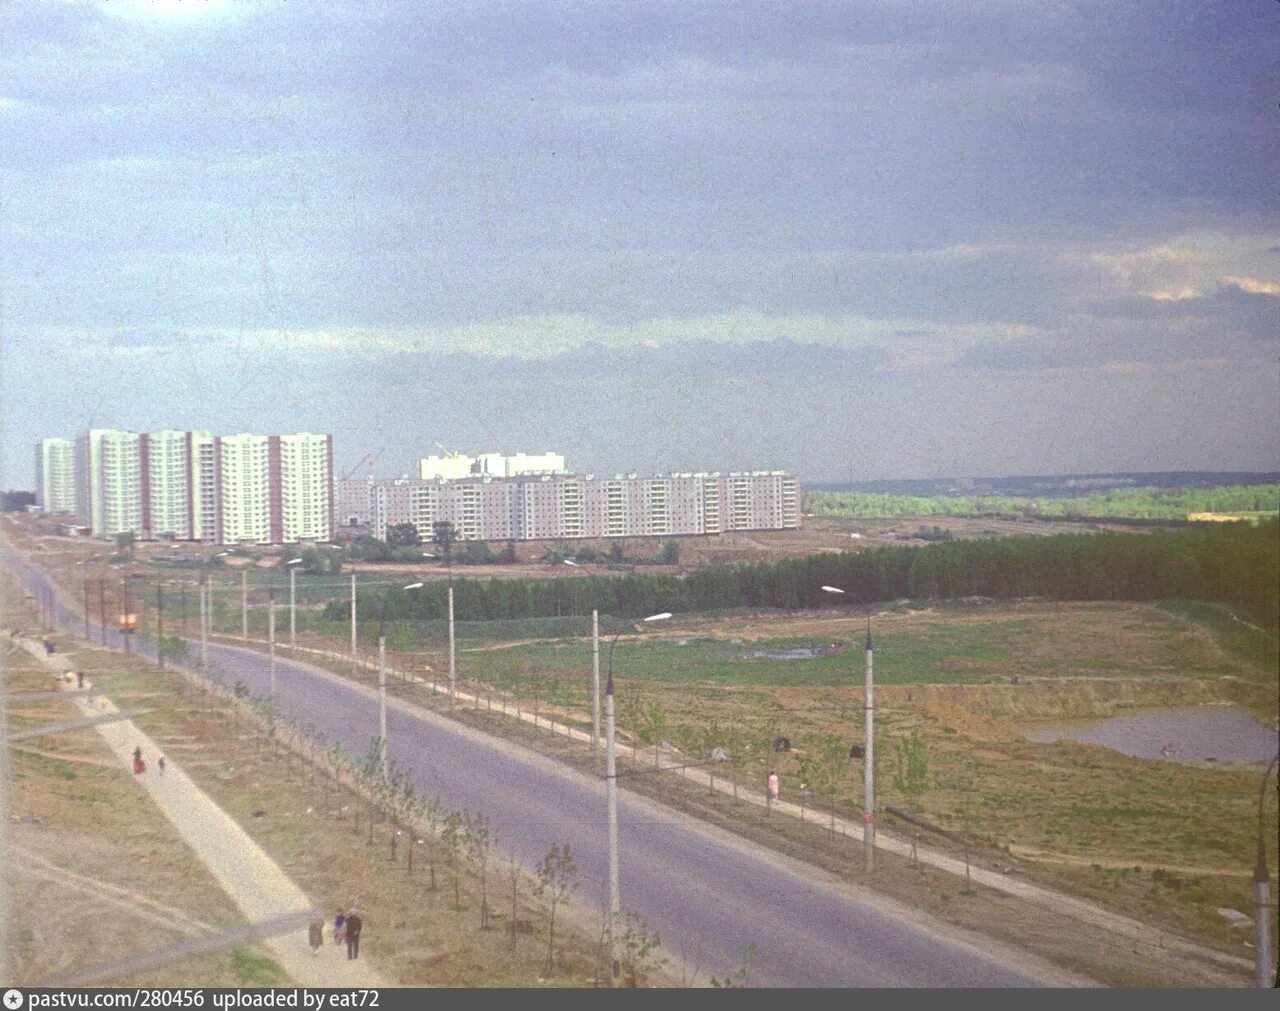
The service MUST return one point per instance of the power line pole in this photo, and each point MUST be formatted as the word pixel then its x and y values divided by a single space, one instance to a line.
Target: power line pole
pixel 271 638
pixel 869 764
pixel 244 604
pixel 160 625
pixel 595 679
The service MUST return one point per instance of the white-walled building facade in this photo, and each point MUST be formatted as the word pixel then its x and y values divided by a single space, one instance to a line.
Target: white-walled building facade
pixel 56 475
pixel 305 480
pixel 567 506
pixel 235 489
pixel 109 482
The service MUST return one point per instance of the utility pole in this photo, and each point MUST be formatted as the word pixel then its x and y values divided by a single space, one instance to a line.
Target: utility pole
pixel 453 663
pixel 353 617
pixel 271 638
pixel 382 700
pixel 205 608
pixel 293 607
pixel 611 794
pixel 160 625
pixel 611 800
pixel 1262 895
pixel 86 608
pixel 124 620
pixel 869 764
pixel 595 679
pixel 102 610
pixel 869 754
pixel 244 604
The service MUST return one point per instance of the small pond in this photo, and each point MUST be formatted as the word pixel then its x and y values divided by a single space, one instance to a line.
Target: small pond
pixel 799 653
pixel 1197 734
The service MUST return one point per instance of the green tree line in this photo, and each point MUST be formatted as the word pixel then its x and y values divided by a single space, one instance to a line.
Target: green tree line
pixel 1231 562
pixel 1118 503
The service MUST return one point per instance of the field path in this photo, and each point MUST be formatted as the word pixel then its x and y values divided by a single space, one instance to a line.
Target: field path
pixel 254 882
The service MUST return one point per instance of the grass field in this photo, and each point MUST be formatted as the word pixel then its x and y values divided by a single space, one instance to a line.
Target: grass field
pixel 1165 842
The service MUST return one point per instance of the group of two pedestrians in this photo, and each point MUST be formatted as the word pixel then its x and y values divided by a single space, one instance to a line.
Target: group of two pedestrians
pixel 346 927
pixel 140 766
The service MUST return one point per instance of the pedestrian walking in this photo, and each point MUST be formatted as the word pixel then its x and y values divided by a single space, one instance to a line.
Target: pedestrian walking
pixel 340 927
pixel 771 788
pixel 354 925
pixel 79 679
pixel 160 764
pixel 139 766
pixel 315 934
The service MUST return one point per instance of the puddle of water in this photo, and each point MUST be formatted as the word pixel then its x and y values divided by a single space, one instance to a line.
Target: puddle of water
pixel 800 653
pixel 1221 733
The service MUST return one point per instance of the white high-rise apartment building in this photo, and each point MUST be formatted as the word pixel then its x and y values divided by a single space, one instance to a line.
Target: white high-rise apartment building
pixel 203 460
pixel 109 482
pixel 306 487
pixel 167 483
pixel 56 475
pixel 244 470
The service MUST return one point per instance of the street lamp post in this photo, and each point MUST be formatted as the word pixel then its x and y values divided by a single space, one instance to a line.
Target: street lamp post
pixel 271 636
pixel 611 800
pixel 1262 896
pixel 244 604
pixel 353 617
pixel 868 760
pixel 293 600
pixel 453 656
pixel 125 616
pixel 206 612
pixel 160 624
pixel 382 680
pixel 595 670
pixel 204 622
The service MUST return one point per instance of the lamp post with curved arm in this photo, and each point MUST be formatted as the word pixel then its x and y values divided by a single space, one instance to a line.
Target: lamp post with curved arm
pixel 595 670
pixel 611 795
pixel 293 600
pixel 382 679
pixel 868 760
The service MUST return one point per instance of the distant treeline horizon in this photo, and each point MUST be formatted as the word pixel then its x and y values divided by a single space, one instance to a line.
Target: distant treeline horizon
pixel 1047 485
pixel 1144 503
pixel 1232 563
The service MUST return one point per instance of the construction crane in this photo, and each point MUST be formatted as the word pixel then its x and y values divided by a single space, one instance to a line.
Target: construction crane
pixel 449 453
pixel 368 458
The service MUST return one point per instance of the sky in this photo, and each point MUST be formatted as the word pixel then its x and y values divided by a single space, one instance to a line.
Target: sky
pixel 858 241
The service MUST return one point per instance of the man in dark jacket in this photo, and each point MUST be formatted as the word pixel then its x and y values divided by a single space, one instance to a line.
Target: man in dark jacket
pixel 353 925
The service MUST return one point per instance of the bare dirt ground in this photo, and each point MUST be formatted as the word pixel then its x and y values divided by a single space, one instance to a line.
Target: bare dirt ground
pixel 130 884
pixel 97 873
pixel 1167 843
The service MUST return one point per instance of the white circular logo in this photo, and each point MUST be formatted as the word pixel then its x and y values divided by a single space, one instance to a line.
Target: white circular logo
pixel 13 999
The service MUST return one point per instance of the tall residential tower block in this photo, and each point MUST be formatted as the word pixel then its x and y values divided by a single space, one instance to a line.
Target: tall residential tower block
pixel 195 486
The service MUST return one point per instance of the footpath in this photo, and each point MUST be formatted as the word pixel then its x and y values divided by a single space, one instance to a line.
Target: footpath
pixel 253 881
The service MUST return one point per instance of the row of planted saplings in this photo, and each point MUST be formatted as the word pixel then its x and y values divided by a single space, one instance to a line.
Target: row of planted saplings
pixel 452 839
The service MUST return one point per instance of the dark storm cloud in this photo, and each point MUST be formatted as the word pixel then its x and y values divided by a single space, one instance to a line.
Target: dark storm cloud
pixel 893 195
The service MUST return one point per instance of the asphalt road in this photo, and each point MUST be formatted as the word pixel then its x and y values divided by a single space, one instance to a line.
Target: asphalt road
pixel 705 893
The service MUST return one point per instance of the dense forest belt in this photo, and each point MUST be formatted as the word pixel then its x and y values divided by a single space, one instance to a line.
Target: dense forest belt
pixel 1233 563
pixel 1120 503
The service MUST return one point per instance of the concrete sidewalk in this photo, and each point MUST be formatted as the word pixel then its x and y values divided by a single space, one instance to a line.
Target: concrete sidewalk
pixel 254 882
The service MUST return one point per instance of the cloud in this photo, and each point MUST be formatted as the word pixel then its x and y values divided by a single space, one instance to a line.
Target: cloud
pixel 1252 286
